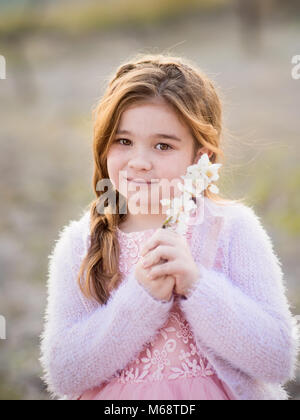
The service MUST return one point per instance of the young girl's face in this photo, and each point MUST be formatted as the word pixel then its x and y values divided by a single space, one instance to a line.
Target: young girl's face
pixel 151 144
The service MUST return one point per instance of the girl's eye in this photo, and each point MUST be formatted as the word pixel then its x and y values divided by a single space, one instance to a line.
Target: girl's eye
pixel 165 144
pixel 118 140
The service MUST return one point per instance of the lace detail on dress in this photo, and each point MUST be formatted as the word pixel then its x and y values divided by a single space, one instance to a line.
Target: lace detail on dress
pixel 172 354
pixel 130 245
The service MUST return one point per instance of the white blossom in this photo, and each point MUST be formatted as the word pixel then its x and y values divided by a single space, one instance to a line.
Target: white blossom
pixel 197 178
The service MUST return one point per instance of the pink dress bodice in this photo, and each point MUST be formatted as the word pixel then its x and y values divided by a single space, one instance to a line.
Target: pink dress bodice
pixel 169 366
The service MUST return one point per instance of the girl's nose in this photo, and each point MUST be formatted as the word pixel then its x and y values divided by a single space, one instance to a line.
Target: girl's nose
pixel 139 163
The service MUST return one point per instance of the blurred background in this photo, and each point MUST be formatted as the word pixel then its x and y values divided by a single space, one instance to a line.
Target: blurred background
pixel 59 56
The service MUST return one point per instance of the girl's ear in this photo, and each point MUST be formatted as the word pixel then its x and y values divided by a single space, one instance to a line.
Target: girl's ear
pixel 200 153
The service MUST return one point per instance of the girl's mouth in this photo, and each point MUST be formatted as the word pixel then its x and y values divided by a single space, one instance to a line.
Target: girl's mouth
pixel 141 181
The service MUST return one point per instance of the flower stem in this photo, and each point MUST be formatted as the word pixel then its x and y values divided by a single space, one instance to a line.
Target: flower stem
pixel 165 224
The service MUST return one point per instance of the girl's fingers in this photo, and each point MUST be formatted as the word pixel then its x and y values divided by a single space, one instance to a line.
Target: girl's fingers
pixel 161 237
pixel 154 256
pixel 168 268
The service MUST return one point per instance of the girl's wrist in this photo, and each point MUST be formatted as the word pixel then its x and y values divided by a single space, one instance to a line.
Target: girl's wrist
pixel 193 285
pixel 192 288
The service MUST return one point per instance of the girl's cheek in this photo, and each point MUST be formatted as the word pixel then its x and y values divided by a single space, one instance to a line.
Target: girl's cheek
pixel 114 159
pixel 113 167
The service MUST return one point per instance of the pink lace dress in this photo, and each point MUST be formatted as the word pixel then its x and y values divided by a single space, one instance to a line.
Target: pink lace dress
pixel 169 367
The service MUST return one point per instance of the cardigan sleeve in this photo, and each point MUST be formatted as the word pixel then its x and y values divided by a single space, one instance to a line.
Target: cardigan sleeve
pixel 80 349
pixel 242 312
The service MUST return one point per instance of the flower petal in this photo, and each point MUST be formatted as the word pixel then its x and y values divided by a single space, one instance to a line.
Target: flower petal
pixel 214 189
pixel 165 202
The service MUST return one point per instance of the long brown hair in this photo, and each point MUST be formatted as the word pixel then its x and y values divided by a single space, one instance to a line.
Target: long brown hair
pixel 195 100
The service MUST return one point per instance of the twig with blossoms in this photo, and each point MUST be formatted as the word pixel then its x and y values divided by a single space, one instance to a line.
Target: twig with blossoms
pixel 197 178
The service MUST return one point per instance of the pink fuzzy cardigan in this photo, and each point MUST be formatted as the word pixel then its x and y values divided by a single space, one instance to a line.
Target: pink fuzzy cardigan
pixel 238 311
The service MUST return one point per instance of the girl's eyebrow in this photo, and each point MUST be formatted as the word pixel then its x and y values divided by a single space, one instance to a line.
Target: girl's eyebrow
pixel 157 135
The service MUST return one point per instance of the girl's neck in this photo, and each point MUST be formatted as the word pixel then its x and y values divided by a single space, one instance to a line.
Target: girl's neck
pixel 136 223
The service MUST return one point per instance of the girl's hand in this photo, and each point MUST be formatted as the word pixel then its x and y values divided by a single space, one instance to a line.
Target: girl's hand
pixel 160 288
pixel 168 253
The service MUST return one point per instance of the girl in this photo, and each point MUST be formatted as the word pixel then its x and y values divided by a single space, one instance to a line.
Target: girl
pixel 139 312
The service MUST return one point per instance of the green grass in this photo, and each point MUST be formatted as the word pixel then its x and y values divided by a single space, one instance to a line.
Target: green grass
pixel 288 217
pixel 94 15
pixel 275 190
pixel 9 393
